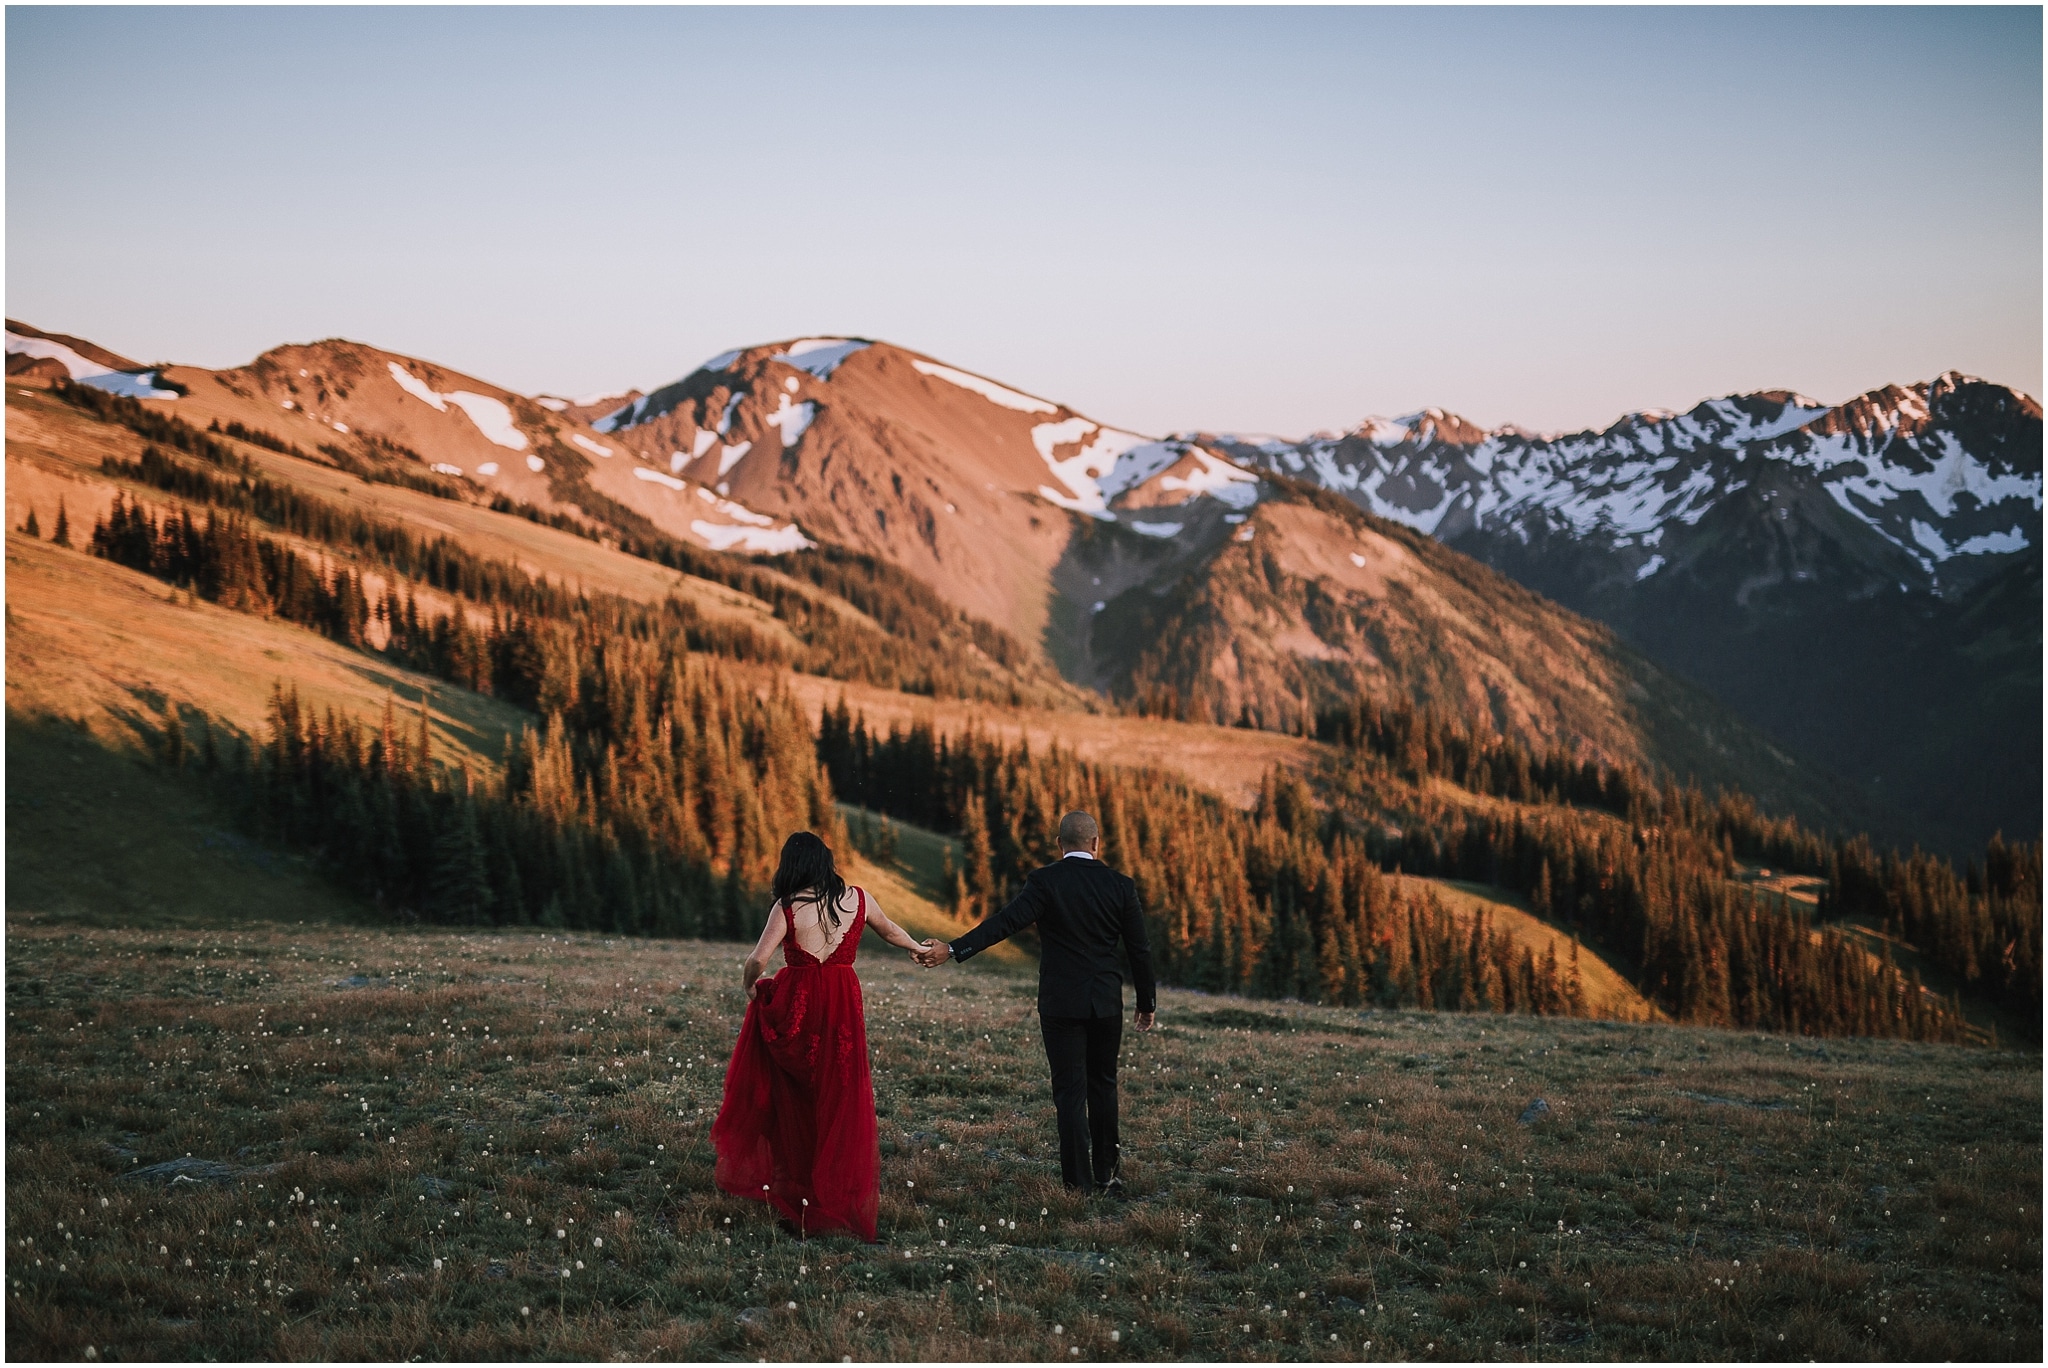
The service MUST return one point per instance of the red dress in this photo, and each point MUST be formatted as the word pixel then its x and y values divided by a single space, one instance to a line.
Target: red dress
pixel 797 1127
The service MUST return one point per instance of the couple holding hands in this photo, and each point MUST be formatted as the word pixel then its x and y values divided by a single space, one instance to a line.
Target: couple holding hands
pixel 797 1126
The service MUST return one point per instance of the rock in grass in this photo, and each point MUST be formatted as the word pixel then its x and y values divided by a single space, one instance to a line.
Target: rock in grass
pixel 1534 1112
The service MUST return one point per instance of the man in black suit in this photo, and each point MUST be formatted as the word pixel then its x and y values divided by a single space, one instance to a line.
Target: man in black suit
pixel 1082 908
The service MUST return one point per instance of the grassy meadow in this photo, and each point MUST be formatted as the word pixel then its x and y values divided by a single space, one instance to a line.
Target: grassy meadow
pixel 240 1138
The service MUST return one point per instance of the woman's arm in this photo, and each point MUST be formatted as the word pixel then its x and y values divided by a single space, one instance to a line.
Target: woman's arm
pixel 757 958
pixel 888 930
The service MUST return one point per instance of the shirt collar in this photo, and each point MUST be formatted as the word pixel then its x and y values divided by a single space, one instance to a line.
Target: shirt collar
pixel 1077 855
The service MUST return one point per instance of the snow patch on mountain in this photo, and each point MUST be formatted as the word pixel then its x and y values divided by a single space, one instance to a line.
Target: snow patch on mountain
pixel 731 406
pixel 418 388
pixel 491 416
pixel 1219 479
pixel 130 384
pixel 1111 462
pixel 730 456
pixel 1929 539
pixel 1156 529
pixel 987 389
pixel 793 419
pixel 594 448
pixel 736 511
pixel 656 477
pixel 1048 436
pixel 1995 543
pixel 1950 473
pixel 1385 432
pixel 755 540
pixel 625 416
pixel 1103 468
pixel 818 355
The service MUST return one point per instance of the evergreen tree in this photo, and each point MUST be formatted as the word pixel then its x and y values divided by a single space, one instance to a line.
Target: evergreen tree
pixel 461 880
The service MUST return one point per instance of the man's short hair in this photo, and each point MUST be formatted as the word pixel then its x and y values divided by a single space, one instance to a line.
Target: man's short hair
pixel 1078 831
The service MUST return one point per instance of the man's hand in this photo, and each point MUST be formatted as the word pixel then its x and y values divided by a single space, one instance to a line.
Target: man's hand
pixel 934 954
pixel 1143 1020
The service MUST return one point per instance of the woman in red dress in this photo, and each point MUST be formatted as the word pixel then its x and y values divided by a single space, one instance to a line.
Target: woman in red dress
pixel 797 1127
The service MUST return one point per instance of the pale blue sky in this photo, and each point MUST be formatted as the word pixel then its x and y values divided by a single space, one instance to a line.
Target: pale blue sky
pixel 1264 220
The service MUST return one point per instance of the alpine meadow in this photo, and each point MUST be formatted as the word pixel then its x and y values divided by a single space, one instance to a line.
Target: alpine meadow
pixel 1590 873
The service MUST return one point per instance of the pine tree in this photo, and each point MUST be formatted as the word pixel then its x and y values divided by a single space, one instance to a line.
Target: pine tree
pixel 31 527
pixel 62 536
pixel 462 883
pixel 978 875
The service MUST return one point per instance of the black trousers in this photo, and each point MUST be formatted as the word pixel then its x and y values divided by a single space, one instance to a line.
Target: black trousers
pixel 1082 1052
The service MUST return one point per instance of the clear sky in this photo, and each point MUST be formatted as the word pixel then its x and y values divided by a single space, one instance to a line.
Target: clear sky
pixel 1243 219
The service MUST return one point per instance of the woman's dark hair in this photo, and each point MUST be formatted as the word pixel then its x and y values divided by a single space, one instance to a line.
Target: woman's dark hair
pixel 807 869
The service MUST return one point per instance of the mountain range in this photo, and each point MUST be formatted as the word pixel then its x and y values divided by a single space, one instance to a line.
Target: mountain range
pixel 1861 580
pixel 1764 592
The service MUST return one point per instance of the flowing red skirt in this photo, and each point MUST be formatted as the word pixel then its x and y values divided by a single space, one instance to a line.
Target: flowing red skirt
pixel 797 1127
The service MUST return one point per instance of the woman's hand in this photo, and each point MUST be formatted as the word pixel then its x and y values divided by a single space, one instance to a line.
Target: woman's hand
pixel 754 986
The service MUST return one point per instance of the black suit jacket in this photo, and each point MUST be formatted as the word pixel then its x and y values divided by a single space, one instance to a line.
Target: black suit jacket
pixel 1082 908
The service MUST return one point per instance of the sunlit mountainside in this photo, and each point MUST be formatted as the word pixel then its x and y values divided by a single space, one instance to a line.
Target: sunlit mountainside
pixel 493 657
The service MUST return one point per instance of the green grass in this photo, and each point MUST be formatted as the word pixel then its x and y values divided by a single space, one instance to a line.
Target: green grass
pixel 104 838
pixel 923 859
pixel 1312 1182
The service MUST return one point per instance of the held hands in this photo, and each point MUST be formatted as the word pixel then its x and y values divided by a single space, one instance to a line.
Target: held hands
pixel 932 954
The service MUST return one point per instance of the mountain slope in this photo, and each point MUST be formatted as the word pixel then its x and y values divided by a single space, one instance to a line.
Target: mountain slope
pixel 1315 605
pixel 1142 566
pixel 1812 565
pixel 964 482
pixel 1155 570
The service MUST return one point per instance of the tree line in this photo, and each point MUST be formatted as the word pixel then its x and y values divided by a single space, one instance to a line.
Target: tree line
pixel 827 640
pixel 668 824
pixel 1294 899
pixel 1982 924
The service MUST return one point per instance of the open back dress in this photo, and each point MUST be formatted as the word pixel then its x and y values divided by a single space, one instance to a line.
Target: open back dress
pixel 797 1127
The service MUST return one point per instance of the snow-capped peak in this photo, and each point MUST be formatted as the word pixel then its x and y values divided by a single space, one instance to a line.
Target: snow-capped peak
pixel 1890 457
pixel 819 355
pixel 133 384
